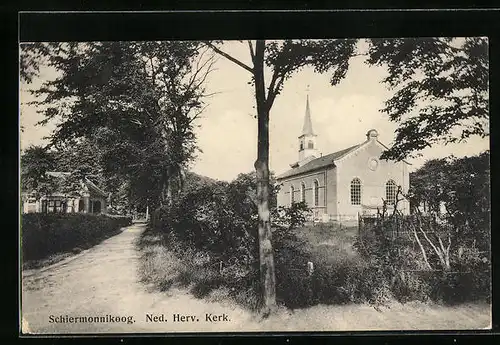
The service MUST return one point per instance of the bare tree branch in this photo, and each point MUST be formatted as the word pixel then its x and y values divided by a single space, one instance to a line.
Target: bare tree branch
pixel 422 249
pixel 273 89
pixel 444 251
pixel 436 250
pixel 229 57
pixel 199 68
pixel 252 52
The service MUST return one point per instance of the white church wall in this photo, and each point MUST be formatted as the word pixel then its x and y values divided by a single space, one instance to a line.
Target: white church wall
pixel 308 179
pixel 331 178
pixel 373 176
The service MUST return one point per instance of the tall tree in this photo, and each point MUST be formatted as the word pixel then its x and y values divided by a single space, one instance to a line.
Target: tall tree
pixel 283 58
pixel 135 100
pixel 440 90
pixel 428 185
pixel 462 185
pixel 36 161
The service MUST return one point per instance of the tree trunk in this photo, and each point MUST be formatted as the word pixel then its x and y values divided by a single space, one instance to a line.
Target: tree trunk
pixel 166 193
pixel 169 193
pixel 181 180
pixel 267 270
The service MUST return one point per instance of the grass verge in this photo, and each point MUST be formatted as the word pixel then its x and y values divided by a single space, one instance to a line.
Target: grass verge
pixel 164 265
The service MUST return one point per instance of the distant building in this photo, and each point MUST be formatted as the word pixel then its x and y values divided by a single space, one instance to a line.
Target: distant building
pixel 342 185
pixel 88 198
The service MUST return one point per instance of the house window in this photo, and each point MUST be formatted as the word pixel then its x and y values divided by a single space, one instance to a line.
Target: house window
pixel 390 192
pixel 292 199
pixel 303 192
pixel 96 207
pixel 81 206
pixel 316 193
pixel 56 206
pixel 356 191
pixel 310 144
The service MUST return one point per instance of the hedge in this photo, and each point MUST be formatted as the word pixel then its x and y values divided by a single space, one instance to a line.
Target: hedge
pixel 45 234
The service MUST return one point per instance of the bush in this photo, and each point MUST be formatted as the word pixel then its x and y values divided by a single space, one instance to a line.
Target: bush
pixel 219 222
pixel 44 234
pixel 291 255
pixel 292 217
pixel 398 261
pixel 339 276
pixel 206 220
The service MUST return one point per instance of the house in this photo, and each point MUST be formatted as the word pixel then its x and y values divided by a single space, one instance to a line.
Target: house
pixel 343 185
pixel 87 197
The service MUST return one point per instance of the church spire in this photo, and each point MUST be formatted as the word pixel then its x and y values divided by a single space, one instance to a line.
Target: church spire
pixel 307 128
pixel 307 140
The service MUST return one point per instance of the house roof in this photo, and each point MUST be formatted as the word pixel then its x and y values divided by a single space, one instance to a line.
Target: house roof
pixel 94 187
pixel 318 163
pixel 90 185
pixel 58 173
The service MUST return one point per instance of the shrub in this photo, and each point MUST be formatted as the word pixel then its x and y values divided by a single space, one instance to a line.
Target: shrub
pixel 462 274
pixel 290 260
pixel 205 220
pixel 218 222
pixel 44 234
pixel 292 217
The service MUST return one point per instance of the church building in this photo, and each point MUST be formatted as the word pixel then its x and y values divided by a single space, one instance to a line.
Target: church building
pixel 343 185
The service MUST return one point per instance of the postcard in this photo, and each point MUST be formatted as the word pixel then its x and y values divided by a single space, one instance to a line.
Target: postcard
pixel 254 186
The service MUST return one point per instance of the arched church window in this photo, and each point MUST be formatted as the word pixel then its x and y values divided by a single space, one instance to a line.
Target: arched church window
pixel 356 191
pixel 303 192
pixel 301 145
pixel 292 197
pixel 316 193
pixel 390 192
pixel 310 144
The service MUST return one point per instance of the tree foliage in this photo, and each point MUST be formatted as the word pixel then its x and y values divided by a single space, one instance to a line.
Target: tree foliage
pixel 31 57
pixel 36 161
pixel 462 185
pixel 440 90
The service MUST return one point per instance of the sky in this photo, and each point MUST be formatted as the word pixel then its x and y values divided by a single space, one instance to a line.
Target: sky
pixel 227 131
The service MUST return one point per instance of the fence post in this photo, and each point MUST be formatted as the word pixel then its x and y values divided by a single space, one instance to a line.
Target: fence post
pixel 359 225
pixel 310 290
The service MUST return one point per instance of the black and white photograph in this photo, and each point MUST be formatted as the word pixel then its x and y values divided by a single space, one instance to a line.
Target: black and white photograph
pixel 295 185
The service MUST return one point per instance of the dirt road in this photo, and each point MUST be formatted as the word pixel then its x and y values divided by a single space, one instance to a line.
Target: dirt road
pixel 103 282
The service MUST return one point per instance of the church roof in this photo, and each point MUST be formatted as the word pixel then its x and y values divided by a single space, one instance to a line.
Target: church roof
pixel 321 162
pixel 307 128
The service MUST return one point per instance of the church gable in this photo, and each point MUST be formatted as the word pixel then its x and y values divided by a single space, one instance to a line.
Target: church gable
pixel 371 145
pixel 367 155
pixel 368 149
pixel 363 178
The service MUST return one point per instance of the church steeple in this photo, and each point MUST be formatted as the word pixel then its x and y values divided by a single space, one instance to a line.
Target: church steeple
pixel 307 140
pixel 307 128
